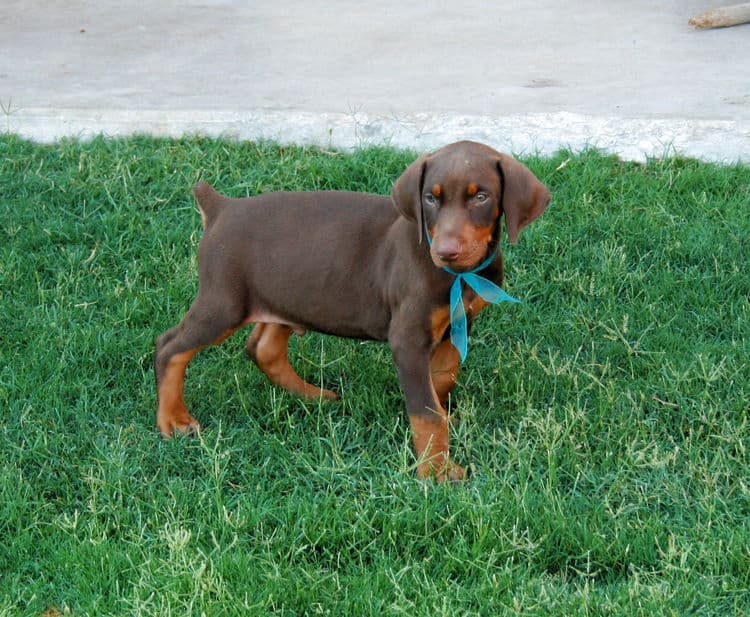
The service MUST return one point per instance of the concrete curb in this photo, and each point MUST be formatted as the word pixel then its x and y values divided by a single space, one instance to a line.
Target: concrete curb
pixel 543 133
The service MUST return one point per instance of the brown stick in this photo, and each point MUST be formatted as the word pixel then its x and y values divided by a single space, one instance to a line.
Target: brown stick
pixel 723 17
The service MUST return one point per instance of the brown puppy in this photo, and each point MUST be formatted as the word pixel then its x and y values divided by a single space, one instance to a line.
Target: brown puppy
pixel 352 265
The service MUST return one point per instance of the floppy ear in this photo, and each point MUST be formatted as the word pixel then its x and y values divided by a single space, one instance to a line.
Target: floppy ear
pixel 407 192
pixel 524 197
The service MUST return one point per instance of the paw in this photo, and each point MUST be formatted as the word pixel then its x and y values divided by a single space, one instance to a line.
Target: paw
pixel 448 471
pixel 452 473
pixel 177 424
pixel 329 395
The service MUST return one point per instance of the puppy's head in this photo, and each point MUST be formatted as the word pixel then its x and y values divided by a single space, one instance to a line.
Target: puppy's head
pixel 457 196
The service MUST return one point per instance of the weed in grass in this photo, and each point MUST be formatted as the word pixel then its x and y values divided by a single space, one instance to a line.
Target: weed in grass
pixel 606 418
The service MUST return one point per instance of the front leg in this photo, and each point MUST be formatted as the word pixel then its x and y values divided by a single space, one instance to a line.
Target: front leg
pixel 444 369
pixel 428 418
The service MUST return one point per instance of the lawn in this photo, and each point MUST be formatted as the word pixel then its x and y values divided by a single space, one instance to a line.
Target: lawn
pixel 604 420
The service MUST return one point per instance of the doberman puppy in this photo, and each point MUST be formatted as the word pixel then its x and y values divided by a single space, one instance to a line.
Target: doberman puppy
pixel 353 265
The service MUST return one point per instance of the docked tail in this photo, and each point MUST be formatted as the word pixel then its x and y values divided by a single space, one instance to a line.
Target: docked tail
pixel 209 202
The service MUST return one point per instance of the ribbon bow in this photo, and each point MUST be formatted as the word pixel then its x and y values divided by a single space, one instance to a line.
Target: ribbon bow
pixel 484 287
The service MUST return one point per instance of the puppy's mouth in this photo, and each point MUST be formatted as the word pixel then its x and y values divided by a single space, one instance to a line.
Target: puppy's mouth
pixel 467 258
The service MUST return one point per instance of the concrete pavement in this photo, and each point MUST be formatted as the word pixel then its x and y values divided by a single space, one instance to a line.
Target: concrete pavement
pixel 630 77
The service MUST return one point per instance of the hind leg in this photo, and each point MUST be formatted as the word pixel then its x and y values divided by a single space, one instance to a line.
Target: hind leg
pixel 206 323
pixel 267 347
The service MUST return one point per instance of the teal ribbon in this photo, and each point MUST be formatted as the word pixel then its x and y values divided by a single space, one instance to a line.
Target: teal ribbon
pixel 484 287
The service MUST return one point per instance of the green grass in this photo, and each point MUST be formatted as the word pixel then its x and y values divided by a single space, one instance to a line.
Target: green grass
pixel 605 420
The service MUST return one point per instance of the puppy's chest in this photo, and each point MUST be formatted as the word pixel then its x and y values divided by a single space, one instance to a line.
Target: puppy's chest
pixel 440 316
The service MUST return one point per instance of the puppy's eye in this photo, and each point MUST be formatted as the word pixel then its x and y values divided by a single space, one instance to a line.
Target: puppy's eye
pixel 481 198
pixel 430 199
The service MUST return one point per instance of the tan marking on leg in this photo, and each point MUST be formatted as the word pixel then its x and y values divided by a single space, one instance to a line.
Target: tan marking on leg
pixel 439 320
pixel 430 436
pixel 252 341
pixel 444 369
pixel 172 414
pixel 269 352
